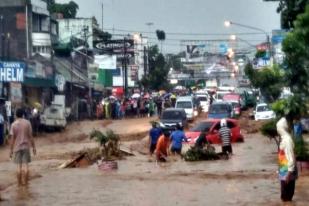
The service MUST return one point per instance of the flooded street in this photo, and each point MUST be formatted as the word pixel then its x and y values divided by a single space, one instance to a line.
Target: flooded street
pixel 248 178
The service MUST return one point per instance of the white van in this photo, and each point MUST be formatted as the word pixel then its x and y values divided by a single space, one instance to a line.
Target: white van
pixel 203 99
pixel 187 104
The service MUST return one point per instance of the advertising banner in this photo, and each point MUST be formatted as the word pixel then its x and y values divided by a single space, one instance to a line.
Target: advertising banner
pixel 12 71
pixel 106 61
pixel 16 93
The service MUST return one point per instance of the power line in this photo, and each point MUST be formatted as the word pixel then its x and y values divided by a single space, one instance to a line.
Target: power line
pixel 186 34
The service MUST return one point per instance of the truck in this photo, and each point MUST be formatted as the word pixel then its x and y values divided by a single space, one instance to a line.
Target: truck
pixel 55 115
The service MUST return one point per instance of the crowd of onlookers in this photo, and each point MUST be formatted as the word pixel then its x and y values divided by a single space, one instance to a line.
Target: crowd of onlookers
pixel 116 108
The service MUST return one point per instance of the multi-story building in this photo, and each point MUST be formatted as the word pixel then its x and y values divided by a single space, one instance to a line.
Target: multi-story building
pixel 28 32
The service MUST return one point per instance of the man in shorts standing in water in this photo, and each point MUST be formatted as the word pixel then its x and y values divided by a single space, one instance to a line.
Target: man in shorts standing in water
pixel 21 142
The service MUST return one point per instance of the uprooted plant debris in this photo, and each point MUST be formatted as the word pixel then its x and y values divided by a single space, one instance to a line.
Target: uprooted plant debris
pixel 198 154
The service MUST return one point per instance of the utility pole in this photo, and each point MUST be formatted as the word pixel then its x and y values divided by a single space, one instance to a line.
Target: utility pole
pixel 8 56
pixel 125 67
pixel 2 38
pixel 102 15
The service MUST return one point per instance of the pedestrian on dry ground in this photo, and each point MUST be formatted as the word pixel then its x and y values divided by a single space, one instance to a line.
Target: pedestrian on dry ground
pixel 162 148
pixel 287 162
pixel 21 142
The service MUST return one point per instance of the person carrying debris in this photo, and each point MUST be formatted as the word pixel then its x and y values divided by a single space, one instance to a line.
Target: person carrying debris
pixel 201 141
pixel 177 137
pixel 21 142
pixel 225 135
pixel 154 134
pixel 162 148
pixel 286 160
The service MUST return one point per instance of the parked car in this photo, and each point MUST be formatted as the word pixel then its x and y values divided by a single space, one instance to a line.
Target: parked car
pixel 187 104
pixel 170 117
pixel 219 110
pixel 262 112
pixel 211 128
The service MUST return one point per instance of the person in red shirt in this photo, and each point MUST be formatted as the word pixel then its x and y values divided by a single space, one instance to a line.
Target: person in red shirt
pixel 162 148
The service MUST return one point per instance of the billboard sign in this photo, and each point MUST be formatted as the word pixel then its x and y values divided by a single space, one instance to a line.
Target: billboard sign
pixel 116 46
pixel 12 71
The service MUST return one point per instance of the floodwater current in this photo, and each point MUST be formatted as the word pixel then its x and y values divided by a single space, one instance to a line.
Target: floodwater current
pixel 248 178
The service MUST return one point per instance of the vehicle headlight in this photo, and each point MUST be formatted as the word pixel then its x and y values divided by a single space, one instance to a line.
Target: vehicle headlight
pixel 195 113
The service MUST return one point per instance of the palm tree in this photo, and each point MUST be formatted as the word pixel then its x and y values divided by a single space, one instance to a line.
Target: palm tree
pixel 161 37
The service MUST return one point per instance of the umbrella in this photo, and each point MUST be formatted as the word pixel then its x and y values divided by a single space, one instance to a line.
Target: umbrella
pixel 136 95
pixel 167 95
pixel 179 87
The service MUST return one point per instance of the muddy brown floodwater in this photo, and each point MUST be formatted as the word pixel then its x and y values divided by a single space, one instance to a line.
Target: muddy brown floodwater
pixel 248 178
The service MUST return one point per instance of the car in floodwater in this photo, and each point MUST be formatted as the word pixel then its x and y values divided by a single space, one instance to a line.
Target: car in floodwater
pixel 170 117
pixel 263 112
pixel 219 110
pixel 211 128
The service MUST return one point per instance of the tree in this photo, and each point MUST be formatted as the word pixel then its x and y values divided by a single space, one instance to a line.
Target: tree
pixel 296 49
pixel 68 10
pixel 160 36
pixel 289 9
pixel 156 79
pixel 269 80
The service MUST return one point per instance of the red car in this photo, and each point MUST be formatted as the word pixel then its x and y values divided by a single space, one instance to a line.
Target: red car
pixel 211 127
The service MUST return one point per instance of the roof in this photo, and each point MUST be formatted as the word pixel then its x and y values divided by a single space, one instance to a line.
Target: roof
pixel 174 109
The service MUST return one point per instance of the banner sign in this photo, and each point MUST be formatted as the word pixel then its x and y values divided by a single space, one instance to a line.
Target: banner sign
pixel 12 71
pixel 116 46
pixel 106 61
pixel 16 93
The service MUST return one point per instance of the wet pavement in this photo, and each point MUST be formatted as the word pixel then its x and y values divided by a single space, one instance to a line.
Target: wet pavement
pixel 248 178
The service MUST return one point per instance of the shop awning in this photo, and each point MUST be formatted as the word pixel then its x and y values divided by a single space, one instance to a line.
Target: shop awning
pixel 38 82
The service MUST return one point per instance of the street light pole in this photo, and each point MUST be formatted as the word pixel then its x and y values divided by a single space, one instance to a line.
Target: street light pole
pixel 229 23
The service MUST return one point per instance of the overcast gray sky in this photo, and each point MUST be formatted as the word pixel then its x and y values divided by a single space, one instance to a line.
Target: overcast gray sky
pixel 183 16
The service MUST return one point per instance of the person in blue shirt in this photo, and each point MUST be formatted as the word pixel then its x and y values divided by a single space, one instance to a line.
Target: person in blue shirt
pixel 154 134
pixel 177 137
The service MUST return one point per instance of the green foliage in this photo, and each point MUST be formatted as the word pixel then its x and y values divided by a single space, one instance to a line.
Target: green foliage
pixel 197 154
pixel 260 54
pixel 68 10
pixel 156 79
pixel 289 10
pixel 301 150
pixel 269 80
pixel 160 35
pixel 108 140
pixel 296 48
pixel 291 108
pixel 269 129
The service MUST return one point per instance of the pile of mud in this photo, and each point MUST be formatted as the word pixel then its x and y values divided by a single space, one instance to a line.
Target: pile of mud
pixel 248 124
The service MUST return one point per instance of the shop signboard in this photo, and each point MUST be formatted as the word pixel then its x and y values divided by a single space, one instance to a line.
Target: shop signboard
pixel 12 71
pixel 16 93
